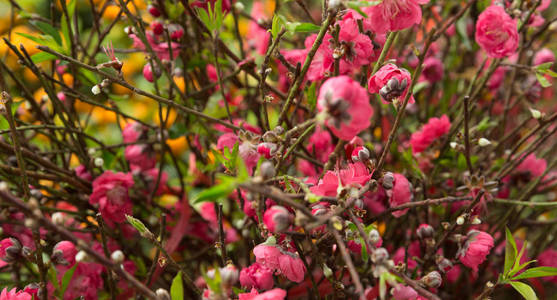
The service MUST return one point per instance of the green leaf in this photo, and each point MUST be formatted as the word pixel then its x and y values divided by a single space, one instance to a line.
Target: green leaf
pixel 42 57
pixel 516 269
pixel 48 29
pixel 71 8
pixel 52 277
pixel 295 27
pixel 312 96
pixel 204 16
pixel 137 224
pixel 510 251
pixel 544 66
pixel 525 290
pixel 365 256
pixel 177 288
pixel 66 34
pixel 217 192
pixel 276 26
pixel 542 80
pixel 537 272
pixel 67 278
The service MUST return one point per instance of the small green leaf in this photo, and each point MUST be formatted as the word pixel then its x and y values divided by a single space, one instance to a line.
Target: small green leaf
pixel 510 251
pixel 537 272
pixel 71 8
pixel 544 66
pixel 312 96
pixel 296 27
pixel 542 80
pixel 277 25
pixel 67 278
pixel 365 256
pixel 42 57
pixel 48 29
pixel 53 278
pixel 137 224
pixel 217 192
pixel 525 290
pixel 177 288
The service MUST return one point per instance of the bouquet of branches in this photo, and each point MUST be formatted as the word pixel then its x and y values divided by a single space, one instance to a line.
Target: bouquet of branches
pixel 278 149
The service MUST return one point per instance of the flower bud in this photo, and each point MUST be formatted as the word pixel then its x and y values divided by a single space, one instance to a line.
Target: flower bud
pixel 153 10
pixel 162 294
pixel 327 271
pixel 277 219
pixel 96 89
pixel 81 256
pixel 176 31
pixel 425 231
pixel 10 249
pixel 388 180
pixel 460 220
pixel 432 279
pixel 483 142
pixel 91 151
pixel 536 114
pixel 148 73
pixel 360 154
pixel 239 6
pixel 267 170
pixel 229 275
pixel 380 255
pixel 117 256
pixel 33 289
pixel 443 264
pixel 374 236
pixel 58 218
pixel 99 162
pixel 64 253
pixel 268 150
pixel 158 28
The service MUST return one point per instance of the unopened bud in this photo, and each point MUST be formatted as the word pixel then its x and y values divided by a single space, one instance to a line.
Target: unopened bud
pixel 483 142
pixel 425 231
pixel 117 256
pixel 453 144
pixel 267 170
pixel 99 162
pixel 374 236
pixel 388 180
pixel 96 89
pixel 444 264
pixel 58 218
pixel 91 151
pixel 536 114
pixel 239 6
pixel 476 220
pixel 327 271
pixel 380 255
pixel 162 294
pixel 81 256
pixel 460 220
pixel 30 223
pixel 229 275
pixel 432 279
pixel 277 219
pixel 360 154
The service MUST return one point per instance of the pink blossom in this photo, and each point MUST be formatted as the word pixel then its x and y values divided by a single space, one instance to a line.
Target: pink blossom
pixel 132 132
pixel 81 172
pixel 110 192
pixel 227 140
pixel 543 56
pixel 256 276
pixel 267 255
pixel 86 282
pixel 10 248
pixel 355 174
pixel 140 156
pixel 14 295
pixel 475 249
pixel 148 73
pixel 248 152
pixel 257 36
pixel 277 219
pixel 395 15
pixel 544 5
pixel 404 292
pixel 391 82
pixel 292 267
pixel 433 130
pixel 274 294
pixel 496 32
pixel 548 258
pixel 347 106
pixel 64 253
pixel 496 80
pixel 400 193
pixel 533 165
pixel 433 69
pixel 159 47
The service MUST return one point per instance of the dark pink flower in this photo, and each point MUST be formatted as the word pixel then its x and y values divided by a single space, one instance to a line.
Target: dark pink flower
pixel 548 258
pixel 274 294
pixel 395 15
pixel 267 150
pixel 404 292
pixel 400 193
pixel 346 105
pixel 81 172
pixel 148 72
pixel 475 249
pixel 140 156
pixel 433 130
pixel 391 82
pixel 497 32
pixel 277 219
pixel 533 165
pixel 64 253
pixel 267 255
pixel 292 267
pixel 543 56
pixel 14 295
pixel 433 69
pixel 110 192
pixel 257 276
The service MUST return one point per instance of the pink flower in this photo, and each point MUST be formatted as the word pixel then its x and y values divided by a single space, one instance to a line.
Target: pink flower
pixel 404 292
pixel 256 276
pixel 10 249
pixel 533 165
pixel 292 267
pixel 496 32
pixel 248 152
pixel 391 82
pixel 322 63
pixel 132 132
pixel 475 249
pixel 267 255
pixel 496 80
pixel 64 253
pixel 81 172
pixel 355 174
pixel 400 193
pixel 140 156
pixel 543 56
pixel 277 219
pixel 227 140
pixel 160 48
pixel 433 130
pixel 548 258
pixel 433 69
pixel 110 192
pixel 347 106
pixel 148 72
pixel 14 295
pixel 395 15
pixel 257 36
pixel 274 294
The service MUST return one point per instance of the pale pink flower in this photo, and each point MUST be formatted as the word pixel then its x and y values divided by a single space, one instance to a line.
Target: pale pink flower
pixel 475 249
pixel 391 82
pixel 400 193
pixel 395 15
pixel 277 219
pixel 292 267
pixel 404 292
pixel 543 56
pixel 110 192
pixel 267 255
pixel 257 276
pixel 347 106
pixel 548 258
pixel 14 295
pixel 496 32
pixel 274 294
pixel 433 130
